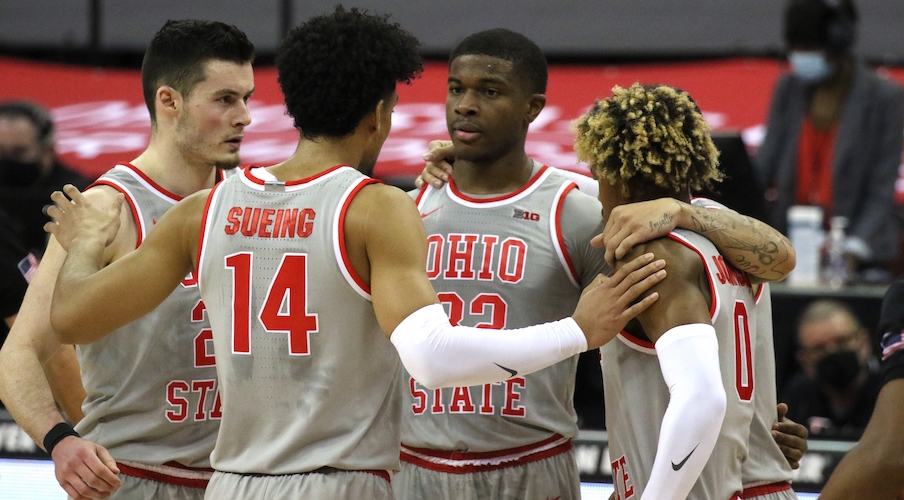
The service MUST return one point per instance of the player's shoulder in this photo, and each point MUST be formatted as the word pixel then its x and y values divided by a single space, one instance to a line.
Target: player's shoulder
pixel 682 261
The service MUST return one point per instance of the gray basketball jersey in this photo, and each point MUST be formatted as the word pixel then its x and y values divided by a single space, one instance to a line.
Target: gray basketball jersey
pixel 637 396
pixel 765 462
pixel 308 379
pixel 151 384
pixel 505 261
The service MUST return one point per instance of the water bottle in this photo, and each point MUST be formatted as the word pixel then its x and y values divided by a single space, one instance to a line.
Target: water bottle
pixel 806 234
pixel 835 270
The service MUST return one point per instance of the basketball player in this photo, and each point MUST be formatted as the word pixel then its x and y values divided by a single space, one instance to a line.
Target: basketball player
pixel 668 405
pixel 323 258
pixel 152 402
pixel 510 441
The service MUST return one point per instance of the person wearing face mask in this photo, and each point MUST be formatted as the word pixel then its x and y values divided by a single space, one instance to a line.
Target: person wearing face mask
pixel 834 135
pixel 30 169
pixel 836 391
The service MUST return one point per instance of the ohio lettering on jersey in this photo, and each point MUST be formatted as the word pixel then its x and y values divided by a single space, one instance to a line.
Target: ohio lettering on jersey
pixel 470 256
pixel 270 222
pixel 476 399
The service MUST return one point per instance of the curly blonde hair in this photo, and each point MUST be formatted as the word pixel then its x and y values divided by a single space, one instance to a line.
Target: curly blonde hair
pixel 648 136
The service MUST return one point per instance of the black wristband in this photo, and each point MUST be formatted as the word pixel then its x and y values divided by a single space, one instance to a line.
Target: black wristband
pixel 59 431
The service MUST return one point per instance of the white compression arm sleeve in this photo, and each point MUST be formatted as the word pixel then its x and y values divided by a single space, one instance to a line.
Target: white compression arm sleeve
pixel 437 354
pixel 689 360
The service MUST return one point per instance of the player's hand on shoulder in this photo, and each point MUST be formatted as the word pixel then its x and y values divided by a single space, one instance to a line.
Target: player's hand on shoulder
pixel 790 436
pixel 634 223
pixel 75 214
pixel 609 303
pixel 439 160
pixel 85 469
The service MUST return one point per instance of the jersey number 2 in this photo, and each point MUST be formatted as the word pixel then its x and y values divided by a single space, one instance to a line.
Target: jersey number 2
pixel 285 307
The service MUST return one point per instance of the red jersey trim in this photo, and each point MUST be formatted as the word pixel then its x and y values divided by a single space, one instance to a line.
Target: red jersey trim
pixel 714 302
pixel 168 473
pixel 256 180
pixel 531 183
pixel 760 292
pixel 346 263
pixel 153 184
pixel 637 341
pixel 136 216
pixel 556 223
pixel 764 490
pixel 420 195
pixel 463 462
pixel 202 237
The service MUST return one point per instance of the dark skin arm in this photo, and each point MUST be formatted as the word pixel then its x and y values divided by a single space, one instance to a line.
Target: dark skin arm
pixel 874 468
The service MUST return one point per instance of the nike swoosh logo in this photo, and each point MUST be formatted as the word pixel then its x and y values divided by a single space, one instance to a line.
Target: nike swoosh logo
pixel 423 216
pixel 680 464
pixel 513 372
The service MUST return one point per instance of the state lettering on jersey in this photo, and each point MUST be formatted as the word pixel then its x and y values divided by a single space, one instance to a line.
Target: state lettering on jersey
pixel 270 222
pixel 471 256
pixel 472 400
pixel 198 400
pixel 726 273
pixel 621 479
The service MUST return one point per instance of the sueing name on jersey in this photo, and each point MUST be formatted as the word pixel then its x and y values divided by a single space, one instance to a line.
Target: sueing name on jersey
pixel 725 273
pixel 270 222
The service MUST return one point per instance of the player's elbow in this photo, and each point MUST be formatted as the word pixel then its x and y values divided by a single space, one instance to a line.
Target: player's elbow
pixel 68 324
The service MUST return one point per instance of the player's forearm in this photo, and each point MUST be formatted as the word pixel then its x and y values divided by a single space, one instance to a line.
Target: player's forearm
pixel 26 393
pixel 440 355
pixel 750 245
pixel 689 359
pixel 77 293
pixel 62 371
pixel 864 473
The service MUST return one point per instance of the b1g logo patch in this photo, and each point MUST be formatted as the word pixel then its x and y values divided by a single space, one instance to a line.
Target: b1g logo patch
pixel 525 215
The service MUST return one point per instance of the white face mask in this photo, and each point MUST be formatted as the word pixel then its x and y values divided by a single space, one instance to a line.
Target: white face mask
pixel 810 67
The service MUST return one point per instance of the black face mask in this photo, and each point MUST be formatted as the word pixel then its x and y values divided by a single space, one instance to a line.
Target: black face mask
pixel 19 173
pixel 839 369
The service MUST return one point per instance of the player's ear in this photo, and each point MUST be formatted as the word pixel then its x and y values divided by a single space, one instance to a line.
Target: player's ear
pixel 535 105
pixel 168 101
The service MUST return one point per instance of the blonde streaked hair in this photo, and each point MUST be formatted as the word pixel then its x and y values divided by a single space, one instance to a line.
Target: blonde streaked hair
pixel 647 136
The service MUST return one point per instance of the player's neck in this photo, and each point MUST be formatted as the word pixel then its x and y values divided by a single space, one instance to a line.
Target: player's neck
pixel 502 175
pixel 314 156
pixel 173 171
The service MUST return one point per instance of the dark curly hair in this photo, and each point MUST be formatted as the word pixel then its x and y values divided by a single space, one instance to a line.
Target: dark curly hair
pixel 177 53
pixel 650 138
pixel 528 60
pixel 335 68
pixel 820 23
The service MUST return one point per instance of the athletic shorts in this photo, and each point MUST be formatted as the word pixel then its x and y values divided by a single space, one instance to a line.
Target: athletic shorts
pixel 134 488
pixel 768 492
pixel 552 477
pixel 332 485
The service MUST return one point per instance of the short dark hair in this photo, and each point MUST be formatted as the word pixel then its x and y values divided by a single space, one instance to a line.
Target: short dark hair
pixel 335 68
pixel 527 58
pixel 177 54
pixel 820 23
pixel 38 115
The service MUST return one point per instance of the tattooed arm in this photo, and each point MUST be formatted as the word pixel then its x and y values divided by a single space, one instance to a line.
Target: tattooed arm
pixel 750 245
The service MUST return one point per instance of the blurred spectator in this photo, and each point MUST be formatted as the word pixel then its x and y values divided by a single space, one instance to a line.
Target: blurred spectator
pixel 874 468
pixel 834 134
pixel 17 265
pixel 836 391
pixel 29 169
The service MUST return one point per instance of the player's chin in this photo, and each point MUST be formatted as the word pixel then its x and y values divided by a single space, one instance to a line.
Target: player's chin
pixel 227 161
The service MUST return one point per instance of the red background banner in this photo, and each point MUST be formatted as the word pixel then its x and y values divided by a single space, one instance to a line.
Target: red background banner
pixel 101 118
